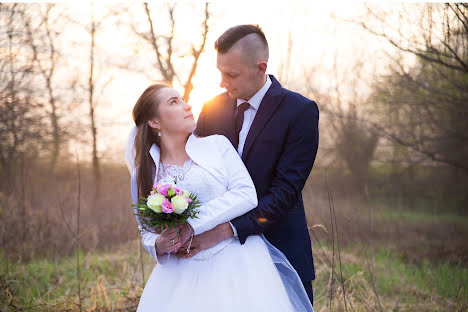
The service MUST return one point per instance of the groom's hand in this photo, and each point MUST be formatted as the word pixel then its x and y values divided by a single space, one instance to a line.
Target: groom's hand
pixel 206 240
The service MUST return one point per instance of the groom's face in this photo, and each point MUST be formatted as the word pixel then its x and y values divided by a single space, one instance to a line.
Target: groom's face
pixel 238 76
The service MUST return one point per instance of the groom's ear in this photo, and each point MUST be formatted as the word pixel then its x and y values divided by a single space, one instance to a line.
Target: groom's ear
pixel 154 123
pixel 262 67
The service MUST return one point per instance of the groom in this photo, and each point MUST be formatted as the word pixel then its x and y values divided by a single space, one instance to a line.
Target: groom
pixel 275 131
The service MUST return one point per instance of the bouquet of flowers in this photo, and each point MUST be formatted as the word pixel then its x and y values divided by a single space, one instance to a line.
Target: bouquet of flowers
pixel 166 206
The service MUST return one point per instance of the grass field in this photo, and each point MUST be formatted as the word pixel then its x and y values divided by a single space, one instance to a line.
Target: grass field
pixel 369 278
pixel 384 281
pixel 371 254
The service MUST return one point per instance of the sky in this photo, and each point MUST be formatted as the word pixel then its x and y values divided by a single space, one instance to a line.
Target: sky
pixel 315 35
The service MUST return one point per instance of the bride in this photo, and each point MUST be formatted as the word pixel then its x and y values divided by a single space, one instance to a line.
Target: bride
pixel 229 276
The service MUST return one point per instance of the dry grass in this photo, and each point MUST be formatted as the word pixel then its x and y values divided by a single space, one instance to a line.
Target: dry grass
pixel 368 256
pixel 114 283
pixel 42 223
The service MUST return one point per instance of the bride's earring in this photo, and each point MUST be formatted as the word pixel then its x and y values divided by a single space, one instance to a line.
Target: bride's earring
pixel 159 133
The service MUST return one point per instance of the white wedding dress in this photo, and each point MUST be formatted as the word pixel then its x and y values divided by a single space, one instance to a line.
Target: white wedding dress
pixel 226 277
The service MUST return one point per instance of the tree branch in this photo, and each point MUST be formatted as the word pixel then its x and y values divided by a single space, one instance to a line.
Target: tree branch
pixel 196 55
pixel 162 69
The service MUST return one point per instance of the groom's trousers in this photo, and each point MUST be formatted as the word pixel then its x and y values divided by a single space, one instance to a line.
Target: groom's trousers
pixel 310 293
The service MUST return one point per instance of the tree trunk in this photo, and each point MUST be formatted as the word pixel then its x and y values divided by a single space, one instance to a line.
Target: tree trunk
pixel 96 171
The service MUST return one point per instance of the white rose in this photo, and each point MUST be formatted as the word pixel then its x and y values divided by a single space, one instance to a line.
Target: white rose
pixel 179 203
pixel 154 202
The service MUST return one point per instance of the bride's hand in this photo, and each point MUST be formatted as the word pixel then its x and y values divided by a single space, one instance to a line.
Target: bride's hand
pixel 167 242
pixel 185 232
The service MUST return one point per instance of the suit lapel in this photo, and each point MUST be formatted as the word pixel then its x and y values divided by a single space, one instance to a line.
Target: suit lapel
pixel 268 106
pixel 228 124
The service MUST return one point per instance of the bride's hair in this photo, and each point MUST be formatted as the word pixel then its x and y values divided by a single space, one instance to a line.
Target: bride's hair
pixel 145 109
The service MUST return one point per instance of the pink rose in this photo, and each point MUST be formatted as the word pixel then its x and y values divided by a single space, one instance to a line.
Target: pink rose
pixel 162 189
pixel 155 187
pixel 189 200
pixel 166 206
pixel 178 190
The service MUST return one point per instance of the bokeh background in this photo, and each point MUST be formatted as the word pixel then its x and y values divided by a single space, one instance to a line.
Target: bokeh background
pixel 386 201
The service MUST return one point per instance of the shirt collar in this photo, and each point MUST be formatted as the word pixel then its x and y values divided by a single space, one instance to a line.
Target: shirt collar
pixel 258 97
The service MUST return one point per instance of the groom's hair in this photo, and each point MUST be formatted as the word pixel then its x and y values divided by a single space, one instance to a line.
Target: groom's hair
pixel 231 36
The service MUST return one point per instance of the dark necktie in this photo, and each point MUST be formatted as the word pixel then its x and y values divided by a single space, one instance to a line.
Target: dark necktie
pixel 240 118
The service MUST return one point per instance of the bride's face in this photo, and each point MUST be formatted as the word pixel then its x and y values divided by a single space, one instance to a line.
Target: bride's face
pixel 175 116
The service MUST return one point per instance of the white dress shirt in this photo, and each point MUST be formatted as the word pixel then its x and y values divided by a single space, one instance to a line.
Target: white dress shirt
pixel 250 113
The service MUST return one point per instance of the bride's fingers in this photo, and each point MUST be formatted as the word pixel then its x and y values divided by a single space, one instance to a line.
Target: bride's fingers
pixel 170 236
pixel 185 245
pixel 169 248
pixel 172 244
pixel 168 244
pixel 168 232
pixel 172 248
pixel 173 238
pixel 176 248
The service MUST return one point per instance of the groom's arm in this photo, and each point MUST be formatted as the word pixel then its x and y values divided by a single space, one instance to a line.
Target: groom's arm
pixel 291 173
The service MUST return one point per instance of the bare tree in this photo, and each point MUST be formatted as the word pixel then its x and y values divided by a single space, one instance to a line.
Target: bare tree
pixel 91 86
pixel 22 126
pixel 165 60
pixel 42 38
pixel 439 36
pixel 351 139
pixel 424 108
pixel 94 85
pixel 188 87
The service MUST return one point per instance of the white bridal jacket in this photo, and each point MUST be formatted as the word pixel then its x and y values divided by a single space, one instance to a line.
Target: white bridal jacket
pixel 215 154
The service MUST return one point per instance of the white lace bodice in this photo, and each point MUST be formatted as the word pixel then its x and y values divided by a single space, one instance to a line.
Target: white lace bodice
pixel 199 181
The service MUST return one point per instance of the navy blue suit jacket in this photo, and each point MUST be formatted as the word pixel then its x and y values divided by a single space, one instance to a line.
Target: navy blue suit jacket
pixel 279 153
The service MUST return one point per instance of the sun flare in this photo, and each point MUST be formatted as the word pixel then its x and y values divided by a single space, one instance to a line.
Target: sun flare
pixel 205 83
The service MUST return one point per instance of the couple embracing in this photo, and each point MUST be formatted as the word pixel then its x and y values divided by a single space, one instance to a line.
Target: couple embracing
pixel 247 158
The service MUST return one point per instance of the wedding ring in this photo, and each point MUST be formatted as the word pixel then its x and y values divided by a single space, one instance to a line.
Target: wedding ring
pixel 172 242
